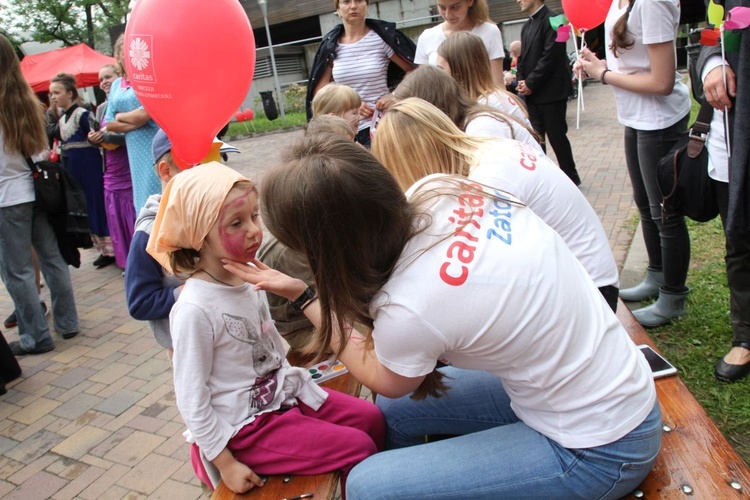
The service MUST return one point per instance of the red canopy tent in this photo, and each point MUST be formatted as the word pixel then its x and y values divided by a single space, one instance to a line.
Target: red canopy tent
pixel 79 60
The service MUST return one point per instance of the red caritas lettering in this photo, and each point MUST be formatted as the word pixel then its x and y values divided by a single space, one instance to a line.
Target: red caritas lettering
pixel 461 252
pixel 528 159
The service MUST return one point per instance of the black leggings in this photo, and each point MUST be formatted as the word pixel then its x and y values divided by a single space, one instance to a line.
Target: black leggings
pixel 668 243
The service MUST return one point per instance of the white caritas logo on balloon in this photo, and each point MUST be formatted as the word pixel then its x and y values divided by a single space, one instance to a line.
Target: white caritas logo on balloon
pixel 139 53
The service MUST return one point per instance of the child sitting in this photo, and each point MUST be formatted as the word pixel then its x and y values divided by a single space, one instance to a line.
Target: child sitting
pixel 247 411
pixel 339 100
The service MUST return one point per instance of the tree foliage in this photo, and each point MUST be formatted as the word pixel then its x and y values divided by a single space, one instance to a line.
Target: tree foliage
pixel 68 21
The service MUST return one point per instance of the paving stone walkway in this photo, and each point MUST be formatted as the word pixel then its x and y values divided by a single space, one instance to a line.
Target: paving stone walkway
pixel 96 417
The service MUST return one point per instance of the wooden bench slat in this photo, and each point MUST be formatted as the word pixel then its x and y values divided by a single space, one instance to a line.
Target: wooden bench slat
pixel 694 453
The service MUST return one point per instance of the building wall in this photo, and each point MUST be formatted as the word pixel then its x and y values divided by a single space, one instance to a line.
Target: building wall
pixel 411 16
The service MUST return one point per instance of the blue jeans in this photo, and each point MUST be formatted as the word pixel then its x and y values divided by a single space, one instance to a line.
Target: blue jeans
pixel 495 454
pixel 22 227
pixel 667 243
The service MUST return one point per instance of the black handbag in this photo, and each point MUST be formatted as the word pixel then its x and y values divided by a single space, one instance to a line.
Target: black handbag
pixel 682 175
pixel 48 187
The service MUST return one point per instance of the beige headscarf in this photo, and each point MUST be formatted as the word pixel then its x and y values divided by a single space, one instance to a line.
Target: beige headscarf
pixel 189 208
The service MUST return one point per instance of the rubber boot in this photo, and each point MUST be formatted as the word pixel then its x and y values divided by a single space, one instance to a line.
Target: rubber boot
pixel 646 289
pixel 668 306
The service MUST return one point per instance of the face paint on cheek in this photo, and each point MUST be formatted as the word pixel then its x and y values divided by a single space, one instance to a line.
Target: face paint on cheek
pixel 234 242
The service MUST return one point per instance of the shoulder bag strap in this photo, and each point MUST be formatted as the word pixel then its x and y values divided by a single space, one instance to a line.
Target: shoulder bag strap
pixel 699 130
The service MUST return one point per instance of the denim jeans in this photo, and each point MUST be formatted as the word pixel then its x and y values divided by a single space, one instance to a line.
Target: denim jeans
pixel 495 454
pixel 668 243
pixel 21 227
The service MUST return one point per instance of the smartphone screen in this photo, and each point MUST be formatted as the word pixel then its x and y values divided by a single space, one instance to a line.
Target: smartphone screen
pixel 660 367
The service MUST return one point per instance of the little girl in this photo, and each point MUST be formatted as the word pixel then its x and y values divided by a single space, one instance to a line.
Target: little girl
pixel 247 411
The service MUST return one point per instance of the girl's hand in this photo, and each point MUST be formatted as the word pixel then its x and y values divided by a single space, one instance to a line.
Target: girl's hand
pixel 592 65
pixel 237 476
pixel 95 137
pixel 265 278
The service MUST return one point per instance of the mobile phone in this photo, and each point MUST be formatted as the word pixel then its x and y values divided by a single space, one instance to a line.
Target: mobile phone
pixel 660 367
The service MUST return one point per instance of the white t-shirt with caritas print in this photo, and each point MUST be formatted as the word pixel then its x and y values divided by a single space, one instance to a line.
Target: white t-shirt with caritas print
pixel 489 286
pixel 535 180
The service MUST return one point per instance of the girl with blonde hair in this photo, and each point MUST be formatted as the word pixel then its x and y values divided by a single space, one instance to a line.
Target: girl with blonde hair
pixel 415 139
pixel 22 225
pixel 545 392
pixel 463 16
pixel 440 89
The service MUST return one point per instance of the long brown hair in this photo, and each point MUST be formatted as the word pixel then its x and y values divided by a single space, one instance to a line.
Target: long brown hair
pixel 479 12
pixel 470 65
pixel 441 90
pixel 119 48
pixel 22 118
pixel 330 200
pixel 622 39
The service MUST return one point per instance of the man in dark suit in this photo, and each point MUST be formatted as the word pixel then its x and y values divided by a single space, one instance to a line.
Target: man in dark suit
pixel 544 78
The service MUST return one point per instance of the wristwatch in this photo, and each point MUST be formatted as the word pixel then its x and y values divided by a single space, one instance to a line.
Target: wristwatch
pixel 304 300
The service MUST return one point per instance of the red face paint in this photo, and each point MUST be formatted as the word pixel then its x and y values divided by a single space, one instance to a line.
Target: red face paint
pixel 239 227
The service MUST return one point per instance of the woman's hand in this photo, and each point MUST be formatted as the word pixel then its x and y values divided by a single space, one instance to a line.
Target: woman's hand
pixel 237 476
pixel 713 87
pixel 591 65
pixel 384 102
pixel 366 111
pixel 265 278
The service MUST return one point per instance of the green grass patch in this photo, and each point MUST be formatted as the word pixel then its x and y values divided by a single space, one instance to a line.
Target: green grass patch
pixel 261 125
pixel 695 342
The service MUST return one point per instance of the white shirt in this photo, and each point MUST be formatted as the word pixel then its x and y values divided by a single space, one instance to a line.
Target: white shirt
pixel 507 105
pixel 229 363
pixel 16 184
pixel 718 161
pixel 504 294
pixel 650 22
pixel 431 38
pixel 363 66
pixel 485 125
pixel 535 180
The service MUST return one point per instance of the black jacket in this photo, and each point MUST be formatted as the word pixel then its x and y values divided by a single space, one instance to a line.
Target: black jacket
pixel 544 63
pixel 400 43
pixel 72 227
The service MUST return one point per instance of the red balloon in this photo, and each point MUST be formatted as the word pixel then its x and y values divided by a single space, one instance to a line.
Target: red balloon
pixel 185 72
pixel 239 116
pixel 586 14
pixel 248 114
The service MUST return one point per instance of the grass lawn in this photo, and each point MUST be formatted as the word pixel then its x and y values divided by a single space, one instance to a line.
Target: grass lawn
pixel 694 343
pixel 260 124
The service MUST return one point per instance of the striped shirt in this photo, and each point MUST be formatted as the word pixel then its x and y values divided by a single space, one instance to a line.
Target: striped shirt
pixel 363 66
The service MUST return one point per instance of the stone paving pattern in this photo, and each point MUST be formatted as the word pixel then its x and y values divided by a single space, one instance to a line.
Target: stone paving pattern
pixel 96 418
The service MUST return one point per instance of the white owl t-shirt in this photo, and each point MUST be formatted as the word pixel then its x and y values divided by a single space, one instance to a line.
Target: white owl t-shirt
pixel 229 363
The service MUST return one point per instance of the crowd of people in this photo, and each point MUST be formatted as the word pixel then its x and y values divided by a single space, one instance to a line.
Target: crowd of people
pixel 418 232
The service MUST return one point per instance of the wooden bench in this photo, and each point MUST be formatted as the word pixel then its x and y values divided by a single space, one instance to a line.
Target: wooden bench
pixel 322 486
pixel 695 459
